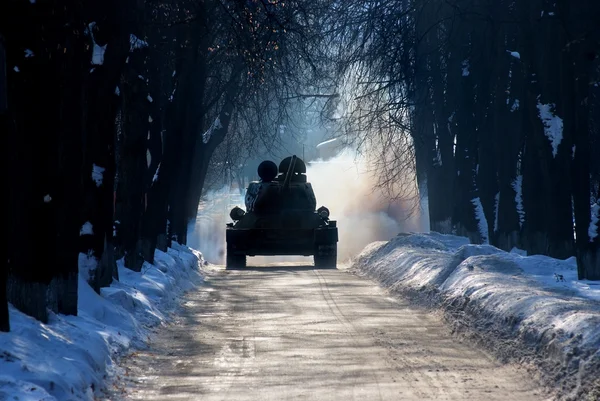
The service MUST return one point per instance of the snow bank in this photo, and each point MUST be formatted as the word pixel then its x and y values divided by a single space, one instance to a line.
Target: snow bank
pixel 70 357
pixel 526 309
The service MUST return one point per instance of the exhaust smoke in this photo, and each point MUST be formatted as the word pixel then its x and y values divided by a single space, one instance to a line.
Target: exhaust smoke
pixel 346 186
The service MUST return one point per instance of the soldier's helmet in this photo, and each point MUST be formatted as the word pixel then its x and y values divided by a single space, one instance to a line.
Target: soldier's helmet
pixel 267 170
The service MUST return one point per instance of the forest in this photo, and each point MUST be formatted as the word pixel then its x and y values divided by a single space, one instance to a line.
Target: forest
pixel 116 113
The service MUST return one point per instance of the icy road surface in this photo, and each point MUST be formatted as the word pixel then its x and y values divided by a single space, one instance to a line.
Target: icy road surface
pixel 295 333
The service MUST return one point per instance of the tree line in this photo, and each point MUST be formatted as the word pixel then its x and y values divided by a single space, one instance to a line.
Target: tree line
pixel 495 107
pixel 111 111
pixel 115 113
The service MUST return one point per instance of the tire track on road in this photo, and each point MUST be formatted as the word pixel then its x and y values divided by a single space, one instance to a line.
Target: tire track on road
pixel 342 319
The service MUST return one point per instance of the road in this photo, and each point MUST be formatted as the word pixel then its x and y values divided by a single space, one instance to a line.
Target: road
pixel 295 333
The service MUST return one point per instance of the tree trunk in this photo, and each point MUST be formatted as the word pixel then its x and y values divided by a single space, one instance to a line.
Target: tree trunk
pixel 204 151
pixel 99 162
pixel 466 194
pixel 507 130
pixel 548 225
pixel 33 159
pixel 4 127
pixel 134 158
pixel 577 69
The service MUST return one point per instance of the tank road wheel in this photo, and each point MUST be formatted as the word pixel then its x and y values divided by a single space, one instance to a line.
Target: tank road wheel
pixel 235 261
pixel 326 256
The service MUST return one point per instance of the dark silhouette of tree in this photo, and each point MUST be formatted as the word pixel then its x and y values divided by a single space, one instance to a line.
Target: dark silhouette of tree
pixel 498 98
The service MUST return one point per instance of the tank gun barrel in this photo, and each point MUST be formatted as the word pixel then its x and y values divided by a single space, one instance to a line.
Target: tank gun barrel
pixel 289 173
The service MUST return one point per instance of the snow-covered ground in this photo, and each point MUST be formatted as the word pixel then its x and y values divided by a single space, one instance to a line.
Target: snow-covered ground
pixel 530 310
pixel 71 357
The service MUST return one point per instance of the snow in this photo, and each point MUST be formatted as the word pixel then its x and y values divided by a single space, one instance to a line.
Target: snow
pixel 86 229
pixel 553 125
pixel 47 198
pixel 97 50
pixel 517 185
pixel 150 98
pixel 593 229
pixel 98 53
pixel 215 126
pixel 514 54
pixel 536 301
pixel 117 91
pixel 515 106
pixel 136 43
pixel 465 68
pixel 496 210
pixel 16 69
pixel 71 357
pixel 87 264
pixel 481 220
pixel 97 174
pixel 28 53
pixel 155 177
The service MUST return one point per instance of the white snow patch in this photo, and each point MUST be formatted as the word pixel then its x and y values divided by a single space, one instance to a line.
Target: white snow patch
pixel 16 69
pixel 593 228
pixel 87 264
pixel 515 106
pixel 208 134
pixel 117 91
pixel 136 43
pixel 553 125
pixel 514 54
pixel 150 98
pixel 481 220
pixel 156 173
pixel 28 53
pixel 86 229
pixel 517 185
pixel 465 68
pixel 98 54
pixel 47 198
pixel 97 50
pixel 496 211
pixel 71 357
pixel 97 174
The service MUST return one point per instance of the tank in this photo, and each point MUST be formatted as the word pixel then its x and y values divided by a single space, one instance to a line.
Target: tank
pixel 281 218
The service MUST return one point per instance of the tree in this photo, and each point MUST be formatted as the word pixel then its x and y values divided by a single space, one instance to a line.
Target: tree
pixel 4 321
pixel 496 113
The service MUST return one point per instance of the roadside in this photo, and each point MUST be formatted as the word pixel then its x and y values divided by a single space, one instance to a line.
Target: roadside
pixel 528 310
pixel 73 357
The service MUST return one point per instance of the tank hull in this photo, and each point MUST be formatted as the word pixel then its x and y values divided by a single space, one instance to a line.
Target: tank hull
pixel 279 241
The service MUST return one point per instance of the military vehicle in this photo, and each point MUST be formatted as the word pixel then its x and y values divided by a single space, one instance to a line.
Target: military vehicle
pixel 281 218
